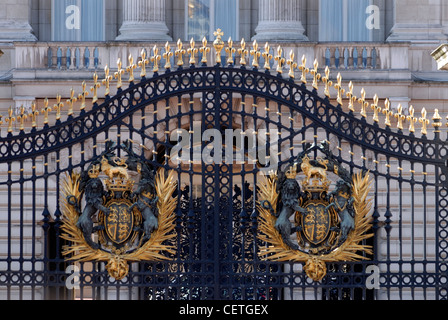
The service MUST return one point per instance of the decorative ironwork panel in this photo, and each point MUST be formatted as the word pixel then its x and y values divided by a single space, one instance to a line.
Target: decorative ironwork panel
pixel 222 130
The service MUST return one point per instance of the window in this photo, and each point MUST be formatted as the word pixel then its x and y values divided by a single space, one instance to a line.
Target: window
pixel 78 20
pixel 344 20
pixel 205 16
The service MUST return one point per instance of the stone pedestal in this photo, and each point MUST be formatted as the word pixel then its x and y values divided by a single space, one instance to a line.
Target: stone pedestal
pixel 144 20
pixel 14 21
pixel 279 20
pixel 418 21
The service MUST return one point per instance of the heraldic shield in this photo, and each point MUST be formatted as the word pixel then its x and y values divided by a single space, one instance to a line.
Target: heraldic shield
pixel 132 221
pixel 330 225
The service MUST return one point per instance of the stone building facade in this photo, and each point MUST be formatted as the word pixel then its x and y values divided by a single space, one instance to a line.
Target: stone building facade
pixel 44 51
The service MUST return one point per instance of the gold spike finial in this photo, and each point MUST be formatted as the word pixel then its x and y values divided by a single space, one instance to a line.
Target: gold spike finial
pixel 364 103
pixel 45 111
pixel 400 117
pixel 118 75
pixel 327 82
pixel 155 59
pixel 106 81
pixel 22 117
pixel 192 51
pixel 96 86
pixel 218 44
pixel 338 87
pixel 304 69
pixel 230 50
pixel 292 64
pixel 267 56
pixel 58 106
pixel 424 121
pixel 243 52
pixel 280 60
pixel 436 121
pixel 179 53
pixel 143 63
pixel 70 102
pixel 130 69
pixel 167 55
pixel 83 95
pixel 34 114
pixel 387 112
pixel 10 119
pixel 256 54
pixel 315 74
pixel 412 119
pixel 351 97
pixel 376 109
pixel 204 51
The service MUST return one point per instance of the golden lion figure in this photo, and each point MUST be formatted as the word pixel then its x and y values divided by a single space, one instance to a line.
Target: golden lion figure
pixel 112 171
pixel 310 171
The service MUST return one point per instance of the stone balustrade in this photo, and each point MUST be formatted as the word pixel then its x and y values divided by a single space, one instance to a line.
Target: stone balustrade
pixel 340 56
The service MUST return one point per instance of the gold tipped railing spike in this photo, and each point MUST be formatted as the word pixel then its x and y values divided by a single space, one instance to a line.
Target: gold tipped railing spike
pixel 376 109
pixel 22 117
pixel 387 112
pixel 230 50
pixel 34 113
pixel 130 69
pixel 106 82
pixel 424 121
pixel 96 86
pixel 243 52
pixel 292 64
pixel 167 55
pixel 267 56
pixel 58 107
pixel 364 103
pixel 327 82
pixel 315 74
pixel 256 54
pixel 400 117
pixel 304 70
pixel 179 53
pixel 340 90
pixel 10 119
pixel 218 44
pixel 412 119
pixel 192 51
pixel 143 63
pixel 155 59
pixel 118 75
pixel 280 60
pixel 204 50
pixel 351 97
pixel 71 102
pixel 84 94
pixel 45 111
pixel 436 121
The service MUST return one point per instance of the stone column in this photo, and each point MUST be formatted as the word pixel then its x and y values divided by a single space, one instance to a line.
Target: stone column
pixel 279 20
pixel 15 21
pixel 144 20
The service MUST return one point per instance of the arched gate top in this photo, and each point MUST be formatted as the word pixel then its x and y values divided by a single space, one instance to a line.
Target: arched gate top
pixel 345 122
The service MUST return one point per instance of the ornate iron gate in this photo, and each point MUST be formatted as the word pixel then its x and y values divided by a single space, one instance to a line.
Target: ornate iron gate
pixel 217 215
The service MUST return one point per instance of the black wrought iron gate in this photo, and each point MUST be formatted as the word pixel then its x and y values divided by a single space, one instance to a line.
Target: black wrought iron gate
pixel 216 218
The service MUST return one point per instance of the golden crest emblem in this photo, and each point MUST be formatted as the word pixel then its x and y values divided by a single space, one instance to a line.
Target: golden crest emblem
pixel 131 223
pixel 329 225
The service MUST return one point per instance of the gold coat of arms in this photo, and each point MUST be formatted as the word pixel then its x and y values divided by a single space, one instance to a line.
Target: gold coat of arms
pixel 329 225
pixel 108 217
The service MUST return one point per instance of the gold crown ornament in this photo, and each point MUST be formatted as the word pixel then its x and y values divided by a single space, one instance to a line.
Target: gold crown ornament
pixel 292 172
